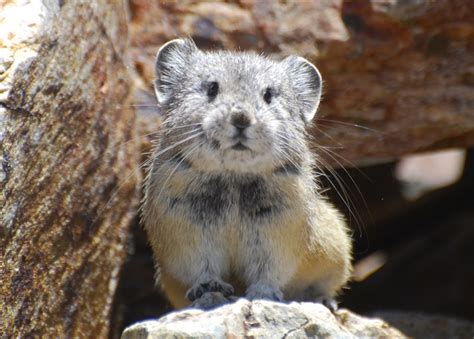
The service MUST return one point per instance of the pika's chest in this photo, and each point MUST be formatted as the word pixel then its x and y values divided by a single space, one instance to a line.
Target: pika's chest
pixel 229 200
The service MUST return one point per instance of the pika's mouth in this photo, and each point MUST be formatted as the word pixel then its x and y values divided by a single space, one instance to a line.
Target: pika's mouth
pixel 240 147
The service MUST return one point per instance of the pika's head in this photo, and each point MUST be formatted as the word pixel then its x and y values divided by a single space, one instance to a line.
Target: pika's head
pixel 232 111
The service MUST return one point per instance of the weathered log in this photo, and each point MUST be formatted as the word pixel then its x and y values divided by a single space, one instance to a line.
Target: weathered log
pixel 68 179
pixel 399 75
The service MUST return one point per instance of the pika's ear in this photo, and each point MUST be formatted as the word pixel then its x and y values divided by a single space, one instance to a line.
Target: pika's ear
pixel 307 83
pixel 170 66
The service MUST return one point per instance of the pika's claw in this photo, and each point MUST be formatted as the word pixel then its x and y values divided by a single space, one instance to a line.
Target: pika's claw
pixel 212 285
pixel 209 300
pixel 329 302
pixel 261 291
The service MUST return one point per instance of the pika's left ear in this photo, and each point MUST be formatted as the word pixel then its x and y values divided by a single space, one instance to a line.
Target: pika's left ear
pixel 307 83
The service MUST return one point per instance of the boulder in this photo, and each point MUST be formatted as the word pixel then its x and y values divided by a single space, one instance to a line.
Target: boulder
pixel 262 319
pixel 68 176
pixel 433 326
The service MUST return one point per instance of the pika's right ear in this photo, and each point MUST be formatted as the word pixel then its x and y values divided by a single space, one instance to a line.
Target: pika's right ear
pixel 170 66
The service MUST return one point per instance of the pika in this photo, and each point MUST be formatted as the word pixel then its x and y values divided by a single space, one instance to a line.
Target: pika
pixel 231 205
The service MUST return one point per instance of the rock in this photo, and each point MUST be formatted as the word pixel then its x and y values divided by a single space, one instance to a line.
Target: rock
pixel 68 178
pixel 433 326
pixel 430 270
pixel 262 319
pixel 425 172
pixel 398 74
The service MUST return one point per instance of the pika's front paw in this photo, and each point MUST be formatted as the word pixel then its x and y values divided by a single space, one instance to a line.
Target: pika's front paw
pixel 329 302
pixel 209 300
pixel 262 291
pixel 211 285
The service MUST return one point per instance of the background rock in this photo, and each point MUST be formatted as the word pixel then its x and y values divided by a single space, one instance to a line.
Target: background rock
pixel 64 222
pixel 419 325
pixel 398 74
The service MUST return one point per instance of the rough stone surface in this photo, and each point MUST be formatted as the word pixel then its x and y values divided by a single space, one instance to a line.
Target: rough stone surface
pixel 68 179
pixel 262 319
pixel 399 75
pixel 430 271
pixel 433 326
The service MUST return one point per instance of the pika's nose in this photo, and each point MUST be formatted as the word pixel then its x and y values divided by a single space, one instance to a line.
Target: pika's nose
pixel 240 121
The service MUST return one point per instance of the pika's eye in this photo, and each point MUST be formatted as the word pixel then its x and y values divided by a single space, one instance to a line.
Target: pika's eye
pixel 268 95
pixel 212 89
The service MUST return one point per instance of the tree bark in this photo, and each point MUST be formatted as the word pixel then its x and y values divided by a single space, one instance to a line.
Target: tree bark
pixel 68 178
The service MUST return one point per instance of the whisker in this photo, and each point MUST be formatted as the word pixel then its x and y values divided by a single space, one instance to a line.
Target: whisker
pixel 350 163
pixel 153 156
pixel 341 191
pixel 349 124
pixel 173 128
pixel 187 154
pixel 177 144
pixel 349 201
pixel 328 136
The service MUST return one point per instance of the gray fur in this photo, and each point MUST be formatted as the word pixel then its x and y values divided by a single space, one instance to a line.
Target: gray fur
pixel 183 73
pixel 233 171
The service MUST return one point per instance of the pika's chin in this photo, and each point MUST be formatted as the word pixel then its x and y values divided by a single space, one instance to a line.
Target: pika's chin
pixel 244 160
pixel 241 161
